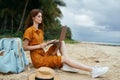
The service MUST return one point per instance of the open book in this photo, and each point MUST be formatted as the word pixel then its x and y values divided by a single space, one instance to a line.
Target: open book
pixel 62 37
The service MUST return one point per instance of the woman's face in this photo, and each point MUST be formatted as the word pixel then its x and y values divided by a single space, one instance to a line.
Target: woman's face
pixel 38 18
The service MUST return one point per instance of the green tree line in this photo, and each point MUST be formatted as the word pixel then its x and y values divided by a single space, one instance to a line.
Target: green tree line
pixel 13 14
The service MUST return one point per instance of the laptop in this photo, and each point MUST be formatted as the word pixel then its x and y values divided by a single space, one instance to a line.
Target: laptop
pixel 61 38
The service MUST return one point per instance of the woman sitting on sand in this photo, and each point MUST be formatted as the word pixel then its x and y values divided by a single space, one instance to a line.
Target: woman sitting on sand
pixel 33 40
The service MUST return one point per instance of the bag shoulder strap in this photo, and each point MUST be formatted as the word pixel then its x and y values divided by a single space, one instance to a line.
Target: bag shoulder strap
pixel 21 52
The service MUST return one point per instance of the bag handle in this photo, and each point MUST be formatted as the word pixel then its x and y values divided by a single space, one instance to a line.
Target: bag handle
pixel 19 50
pixel 1 44
pixel 11 45
pixel 17 40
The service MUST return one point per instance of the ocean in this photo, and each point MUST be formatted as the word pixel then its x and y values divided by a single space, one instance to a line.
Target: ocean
pixel 104 43
pixel 111 43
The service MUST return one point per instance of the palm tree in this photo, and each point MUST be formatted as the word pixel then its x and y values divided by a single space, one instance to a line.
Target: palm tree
pixel 51 11
pixel 12 15
pixel 9 13
pixel 51 16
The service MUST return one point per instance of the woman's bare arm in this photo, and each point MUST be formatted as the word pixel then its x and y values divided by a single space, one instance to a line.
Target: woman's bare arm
pixel 42 45
pixel 27 47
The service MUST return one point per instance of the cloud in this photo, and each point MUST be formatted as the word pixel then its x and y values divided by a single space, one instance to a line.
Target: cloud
pixel 93 18
pixel 88 34
pixel 84 20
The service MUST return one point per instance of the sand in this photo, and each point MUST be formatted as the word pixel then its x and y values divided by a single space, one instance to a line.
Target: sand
pixel 85 53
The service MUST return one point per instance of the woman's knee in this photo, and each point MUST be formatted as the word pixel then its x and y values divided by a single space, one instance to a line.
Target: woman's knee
pixel 64 59
pixel 62 42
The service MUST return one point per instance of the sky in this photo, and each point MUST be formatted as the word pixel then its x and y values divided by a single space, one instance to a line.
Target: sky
pixel 92 20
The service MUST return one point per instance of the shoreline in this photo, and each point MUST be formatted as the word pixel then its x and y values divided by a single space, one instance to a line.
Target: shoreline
pixel 102 43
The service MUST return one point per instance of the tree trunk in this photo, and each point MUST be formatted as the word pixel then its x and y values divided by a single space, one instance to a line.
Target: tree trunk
pixel 12 24
pixel 5 23
pixel 21 22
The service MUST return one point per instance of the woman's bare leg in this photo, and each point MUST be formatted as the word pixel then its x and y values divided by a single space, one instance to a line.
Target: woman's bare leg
pixel 95 71
pixel 76 65
pixel 71 63
pixel 63 50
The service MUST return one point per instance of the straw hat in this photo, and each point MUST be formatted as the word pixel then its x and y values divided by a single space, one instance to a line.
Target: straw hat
pixel 44 73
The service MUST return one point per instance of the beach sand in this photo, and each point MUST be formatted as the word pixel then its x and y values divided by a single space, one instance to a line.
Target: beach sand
pixel 86 53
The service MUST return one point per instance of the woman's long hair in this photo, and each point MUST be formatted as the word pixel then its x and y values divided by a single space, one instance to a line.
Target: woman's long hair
pixel 29 20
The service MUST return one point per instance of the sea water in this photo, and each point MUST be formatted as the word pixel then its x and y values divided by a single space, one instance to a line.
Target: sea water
pixel 107 43
pixel 112 43
pixel 102 43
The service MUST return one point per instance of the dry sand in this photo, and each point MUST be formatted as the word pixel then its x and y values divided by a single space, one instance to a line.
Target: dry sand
pixel 86 53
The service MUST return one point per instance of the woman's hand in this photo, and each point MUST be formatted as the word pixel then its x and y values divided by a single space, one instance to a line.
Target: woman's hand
pixel 50 42
pixel 43 45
